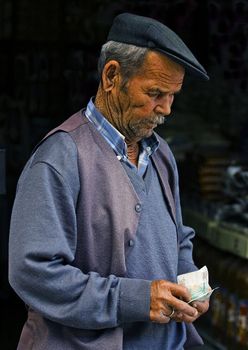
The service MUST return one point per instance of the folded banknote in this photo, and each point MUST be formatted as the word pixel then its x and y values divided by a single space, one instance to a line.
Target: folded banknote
pixel 197 283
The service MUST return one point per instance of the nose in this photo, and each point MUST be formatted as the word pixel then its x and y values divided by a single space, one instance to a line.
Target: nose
pixel 163 106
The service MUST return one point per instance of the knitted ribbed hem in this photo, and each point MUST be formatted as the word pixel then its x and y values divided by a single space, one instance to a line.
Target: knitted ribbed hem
pixel 134 302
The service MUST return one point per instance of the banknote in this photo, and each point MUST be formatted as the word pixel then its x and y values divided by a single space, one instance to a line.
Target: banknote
pixel 197 283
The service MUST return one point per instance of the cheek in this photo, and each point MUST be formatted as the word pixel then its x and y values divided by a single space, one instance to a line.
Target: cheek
pixel 140 105
pixel 143 106
pixel 149 109
pixel 141 113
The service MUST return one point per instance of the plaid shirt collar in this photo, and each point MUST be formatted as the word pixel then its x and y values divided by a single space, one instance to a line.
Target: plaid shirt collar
pixel 117 141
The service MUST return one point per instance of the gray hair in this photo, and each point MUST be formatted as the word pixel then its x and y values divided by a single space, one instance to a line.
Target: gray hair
pixel 130 57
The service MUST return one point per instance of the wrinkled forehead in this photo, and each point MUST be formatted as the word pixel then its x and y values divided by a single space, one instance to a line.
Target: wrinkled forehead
pixel 156 60
pixel 159 66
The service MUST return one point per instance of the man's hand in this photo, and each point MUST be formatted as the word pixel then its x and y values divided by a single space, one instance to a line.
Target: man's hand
pixel 167 297
pixel 201 306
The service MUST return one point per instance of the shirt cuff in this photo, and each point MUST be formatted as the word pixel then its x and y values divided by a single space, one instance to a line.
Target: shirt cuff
pixel 134 303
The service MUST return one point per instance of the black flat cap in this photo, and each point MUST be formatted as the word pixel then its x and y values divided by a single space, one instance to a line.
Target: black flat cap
pixel 147 32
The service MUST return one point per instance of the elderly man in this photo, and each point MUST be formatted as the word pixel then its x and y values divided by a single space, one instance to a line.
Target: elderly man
pixel 97 239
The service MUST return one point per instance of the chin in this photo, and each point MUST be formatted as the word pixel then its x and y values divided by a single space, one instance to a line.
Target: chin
pixel 146 134
pixel 143 133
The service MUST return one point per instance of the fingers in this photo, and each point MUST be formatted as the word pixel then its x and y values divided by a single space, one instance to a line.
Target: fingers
pixel 182 317
pixel 178 291
pixel 166 296
pixel 201 306
pixel 163 318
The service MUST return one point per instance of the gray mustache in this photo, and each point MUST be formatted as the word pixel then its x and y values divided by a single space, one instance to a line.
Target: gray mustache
pixel 159 119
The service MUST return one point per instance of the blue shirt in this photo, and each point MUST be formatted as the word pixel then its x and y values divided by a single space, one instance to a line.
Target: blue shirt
pixel 117 141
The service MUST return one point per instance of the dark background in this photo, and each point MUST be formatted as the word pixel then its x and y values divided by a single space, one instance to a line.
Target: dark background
pixel 48 59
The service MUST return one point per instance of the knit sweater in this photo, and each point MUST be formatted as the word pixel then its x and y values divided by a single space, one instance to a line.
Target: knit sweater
pixel 70 231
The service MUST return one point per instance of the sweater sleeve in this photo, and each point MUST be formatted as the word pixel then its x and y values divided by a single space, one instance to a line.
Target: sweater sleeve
pixel 42 245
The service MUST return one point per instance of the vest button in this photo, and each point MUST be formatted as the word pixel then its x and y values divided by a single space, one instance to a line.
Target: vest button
pixel 131 243
pixel 138 207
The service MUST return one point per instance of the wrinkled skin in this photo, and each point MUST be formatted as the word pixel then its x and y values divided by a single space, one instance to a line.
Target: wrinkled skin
pixel 138 107
pixel 135 109
pixel 166 296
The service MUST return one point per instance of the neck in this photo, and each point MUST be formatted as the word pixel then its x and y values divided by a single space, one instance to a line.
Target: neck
pixel 133 152
pixel 102 105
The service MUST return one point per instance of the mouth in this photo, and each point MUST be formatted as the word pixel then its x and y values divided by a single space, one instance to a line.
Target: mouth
pixel 155 122
pixel 147 125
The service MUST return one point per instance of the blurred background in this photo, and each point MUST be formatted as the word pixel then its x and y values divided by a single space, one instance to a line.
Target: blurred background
pixel 48 70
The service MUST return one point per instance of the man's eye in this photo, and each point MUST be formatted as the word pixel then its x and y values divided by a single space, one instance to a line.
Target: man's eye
pixel 154 94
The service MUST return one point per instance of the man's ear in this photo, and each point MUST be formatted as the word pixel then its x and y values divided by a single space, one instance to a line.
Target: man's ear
pixel 110 75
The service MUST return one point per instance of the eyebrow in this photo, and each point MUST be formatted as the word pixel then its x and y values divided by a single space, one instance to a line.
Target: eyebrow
pixel 164 92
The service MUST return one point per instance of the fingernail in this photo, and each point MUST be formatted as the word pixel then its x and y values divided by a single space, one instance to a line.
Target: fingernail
pixel 194 305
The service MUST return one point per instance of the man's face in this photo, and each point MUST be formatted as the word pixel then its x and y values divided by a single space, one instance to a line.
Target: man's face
pixel 147 97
